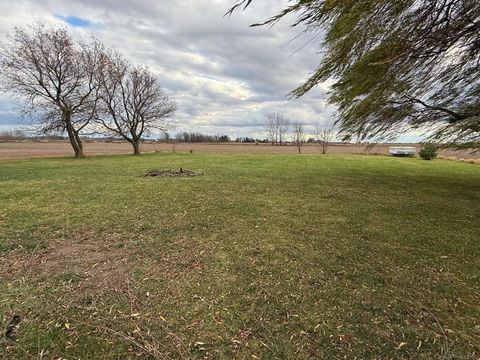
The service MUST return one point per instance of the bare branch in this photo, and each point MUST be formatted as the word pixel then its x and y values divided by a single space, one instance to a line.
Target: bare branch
pixel 52 77
pixel 132 102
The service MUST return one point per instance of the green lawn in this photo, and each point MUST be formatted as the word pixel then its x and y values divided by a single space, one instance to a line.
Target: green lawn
pixel 262 256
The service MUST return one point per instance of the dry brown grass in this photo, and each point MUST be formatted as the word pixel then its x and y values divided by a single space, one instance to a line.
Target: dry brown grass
pixel 97 266
pixel 31 149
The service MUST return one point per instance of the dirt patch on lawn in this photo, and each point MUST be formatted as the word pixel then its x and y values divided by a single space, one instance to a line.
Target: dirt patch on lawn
pixel 99 267
pixel 95 268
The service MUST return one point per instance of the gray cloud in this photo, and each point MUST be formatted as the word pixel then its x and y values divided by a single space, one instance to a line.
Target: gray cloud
pixel 225 75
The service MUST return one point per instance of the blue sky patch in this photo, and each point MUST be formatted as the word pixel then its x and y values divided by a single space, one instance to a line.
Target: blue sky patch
pixel 74 21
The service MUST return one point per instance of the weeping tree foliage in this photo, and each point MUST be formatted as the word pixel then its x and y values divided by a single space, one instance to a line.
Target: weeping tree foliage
pixel 397 65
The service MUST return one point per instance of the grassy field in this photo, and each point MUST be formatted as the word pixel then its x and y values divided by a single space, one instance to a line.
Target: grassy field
pixel 260 257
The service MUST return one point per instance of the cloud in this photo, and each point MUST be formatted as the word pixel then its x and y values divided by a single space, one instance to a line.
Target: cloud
pixel 224 74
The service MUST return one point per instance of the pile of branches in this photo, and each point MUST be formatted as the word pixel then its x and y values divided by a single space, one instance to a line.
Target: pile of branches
pixel 170 172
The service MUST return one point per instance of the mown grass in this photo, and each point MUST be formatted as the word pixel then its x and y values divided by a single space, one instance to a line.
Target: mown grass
pixel 262 256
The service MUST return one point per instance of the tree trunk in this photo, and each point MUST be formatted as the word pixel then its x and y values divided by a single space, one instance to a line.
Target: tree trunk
pixel 136 147
pixel 79 153
pixel 74 137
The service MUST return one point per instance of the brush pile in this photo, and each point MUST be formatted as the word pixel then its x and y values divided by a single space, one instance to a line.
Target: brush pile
pixel 170 172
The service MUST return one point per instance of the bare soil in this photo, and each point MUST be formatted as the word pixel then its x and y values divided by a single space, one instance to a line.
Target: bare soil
pixel 31 149
pixel 97 267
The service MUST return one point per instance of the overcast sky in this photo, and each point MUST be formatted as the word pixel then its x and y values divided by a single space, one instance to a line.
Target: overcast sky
pixel 224 74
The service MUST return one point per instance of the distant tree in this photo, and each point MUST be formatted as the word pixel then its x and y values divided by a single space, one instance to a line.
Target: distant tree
pixel 271 127
pixel 396 64
pixel 248 140
pixel 283 128
pixel 180 137
pixel 15 134
pixel 52 76
pixel 131 102
pixel 196 137
pixel 298 136
pixel 325 133
pixel 251 140
pixel 277 127
pixel 223 138
pixel 174 143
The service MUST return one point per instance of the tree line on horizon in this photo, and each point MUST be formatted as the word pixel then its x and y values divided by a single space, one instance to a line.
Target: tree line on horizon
pixel 82 87
pixel 166 137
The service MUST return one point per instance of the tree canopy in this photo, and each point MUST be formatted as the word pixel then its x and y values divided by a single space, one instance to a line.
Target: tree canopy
pixel 131 101
pixel 52 76
pixel 397 65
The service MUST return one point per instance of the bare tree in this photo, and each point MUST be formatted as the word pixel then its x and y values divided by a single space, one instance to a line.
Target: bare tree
pixel 325 134
pixel 298 136
pixel 283 127
pixel 174 143
pixel 131 100
pixel 271 126
pixel 52 76
pixel 277 127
